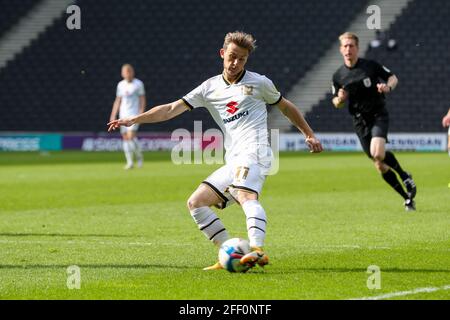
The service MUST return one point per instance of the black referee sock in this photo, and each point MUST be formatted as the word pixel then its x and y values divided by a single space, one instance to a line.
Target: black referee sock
pixel 391 178
pixel 392 162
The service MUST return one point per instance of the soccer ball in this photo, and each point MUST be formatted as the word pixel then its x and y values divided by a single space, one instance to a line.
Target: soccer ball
pixel 231 251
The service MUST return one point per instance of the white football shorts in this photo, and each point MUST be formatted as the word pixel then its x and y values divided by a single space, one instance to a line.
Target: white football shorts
pixel 124 129
pixel 227 180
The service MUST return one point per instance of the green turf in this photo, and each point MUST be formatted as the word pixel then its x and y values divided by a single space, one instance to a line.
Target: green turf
pixel 330 217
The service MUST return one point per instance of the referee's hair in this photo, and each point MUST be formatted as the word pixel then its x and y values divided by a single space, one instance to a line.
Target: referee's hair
pixel 241 39
pixel 349 35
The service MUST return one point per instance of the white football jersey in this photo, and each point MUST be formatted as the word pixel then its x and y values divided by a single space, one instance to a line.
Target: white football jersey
pixel 240 111
pixel 130 93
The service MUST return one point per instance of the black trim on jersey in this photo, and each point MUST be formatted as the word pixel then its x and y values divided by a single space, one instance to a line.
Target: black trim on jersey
pixel 187 104
pixel 255 228
pixel 204 227
pixel 257 219
pixel 220 194
pixel 225 80
pixel 240 78
pixel 237 81
pixel 244 188
pixel 215 234
pixel 279 99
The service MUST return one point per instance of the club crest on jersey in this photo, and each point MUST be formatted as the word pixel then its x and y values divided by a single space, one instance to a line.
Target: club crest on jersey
pixel 247 90
pixel 367 82
pixel 231 107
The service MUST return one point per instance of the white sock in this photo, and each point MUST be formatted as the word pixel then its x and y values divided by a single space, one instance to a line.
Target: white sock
pixel 256 222
pixel 210 225
pixel 128 152
pixel 131 144
pixel 137 149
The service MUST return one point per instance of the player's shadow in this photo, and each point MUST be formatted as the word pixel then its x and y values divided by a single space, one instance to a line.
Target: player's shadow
pixel 14 234
pixel 95 266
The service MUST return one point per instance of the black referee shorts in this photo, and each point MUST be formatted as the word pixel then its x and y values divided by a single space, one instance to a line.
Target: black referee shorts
pixel 370 126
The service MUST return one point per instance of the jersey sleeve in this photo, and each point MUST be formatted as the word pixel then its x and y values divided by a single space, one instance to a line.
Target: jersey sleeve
pixel 269 92
pixel 195 98
pixel 382 72
pixel 141 89
pixel 335 86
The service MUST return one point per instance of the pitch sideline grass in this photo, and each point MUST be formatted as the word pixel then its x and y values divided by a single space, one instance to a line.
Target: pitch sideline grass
pixel 330 217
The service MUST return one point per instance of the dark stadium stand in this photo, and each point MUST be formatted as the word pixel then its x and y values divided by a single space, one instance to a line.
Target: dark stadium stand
pixel 11 11
pixel 421 63
pixel 174 47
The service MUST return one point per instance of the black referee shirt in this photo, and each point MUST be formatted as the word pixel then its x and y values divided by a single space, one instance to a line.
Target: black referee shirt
pixel 360 82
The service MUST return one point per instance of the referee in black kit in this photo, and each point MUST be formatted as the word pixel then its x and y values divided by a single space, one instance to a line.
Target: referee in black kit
pixel 358 82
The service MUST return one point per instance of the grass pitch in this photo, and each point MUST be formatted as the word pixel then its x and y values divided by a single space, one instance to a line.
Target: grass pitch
pixel 330 216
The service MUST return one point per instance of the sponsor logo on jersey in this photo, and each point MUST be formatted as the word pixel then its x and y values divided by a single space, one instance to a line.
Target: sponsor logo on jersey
pixel 235 117
pixel 231 107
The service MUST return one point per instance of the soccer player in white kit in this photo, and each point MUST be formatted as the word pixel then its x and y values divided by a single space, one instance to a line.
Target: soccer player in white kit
pixel 237 101
pixel 130 101
pixel 446 123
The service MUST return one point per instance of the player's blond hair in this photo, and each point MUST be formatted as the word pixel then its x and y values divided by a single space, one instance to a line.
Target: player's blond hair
pixel 241 39
pixel 349 35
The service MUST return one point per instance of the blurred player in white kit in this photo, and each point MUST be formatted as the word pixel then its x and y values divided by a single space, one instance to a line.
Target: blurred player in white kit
pixel 130 101
pixel 446 123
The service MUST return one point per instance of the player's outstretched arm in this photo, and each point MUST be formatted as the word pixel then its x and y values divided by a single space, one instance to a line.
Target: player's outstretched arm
pixel 157 114
pixel 294 115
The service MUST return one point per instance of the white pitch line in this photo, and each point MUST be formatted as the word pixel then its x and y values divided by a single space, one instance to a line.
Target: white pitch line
pixel 404 293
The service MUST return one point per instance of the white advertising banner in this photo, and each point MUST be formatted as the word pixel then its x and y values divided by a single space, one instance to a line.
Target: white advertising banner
pixel 350 142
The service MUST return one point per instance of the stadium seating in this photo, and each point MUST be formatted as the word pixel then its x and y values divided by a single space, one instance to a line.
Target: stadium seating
pixel 421 64
pixel 11 11
pixel 65 81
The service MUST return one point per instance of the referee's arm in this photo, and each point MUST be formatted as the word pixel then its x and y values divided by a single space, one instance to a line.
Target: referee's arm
pixel 339 100
pixel 391 84
pixel 340 95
